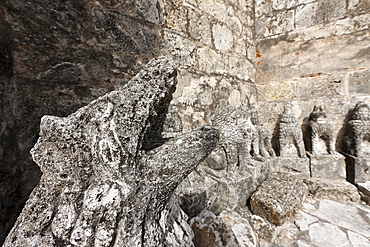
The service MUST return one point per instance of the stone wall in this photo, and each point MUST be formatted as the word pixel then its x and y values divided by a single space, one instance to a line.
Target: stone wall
pixel 56 56
pixel 213 44
pixel 312 53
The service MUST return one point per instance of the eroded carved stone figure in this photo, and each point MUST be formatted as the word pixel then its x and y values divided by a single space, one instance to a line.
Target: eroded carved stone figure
pixel 238 136
pixel 321 128
pixel 290 132
pixel 264 136
pixel 107 177
pixel 359 128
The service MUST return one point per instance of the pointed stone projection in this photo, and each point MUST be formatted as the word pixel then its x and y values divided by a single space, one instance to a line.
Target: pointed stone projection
pixel 107 174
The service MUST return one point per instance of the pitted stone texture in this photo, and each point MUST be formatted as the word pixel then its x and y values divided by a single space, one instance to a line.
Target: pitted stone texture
pixel 290 134
pixel 328 166
pixel 107 175
pixel 219 190
pixel 241 228
pixel 211 230
pixel 358 169
pixel 232 172
pixel 296 166
pixel 321 131
pixel 332 189
pixel 279 197
pixel 358 137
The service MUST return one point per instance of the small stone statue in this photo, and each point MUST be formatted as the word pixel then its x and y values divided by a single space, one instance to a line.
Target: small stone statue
pixel 289 131
pixel 238 136
pixel 264 136
pixel 321 128
pixel 360 127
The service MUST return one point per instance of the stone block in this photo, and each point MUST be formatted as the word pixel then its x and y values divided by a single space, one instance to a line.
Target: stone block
pixel 358 169
pixel 364 190
pixel 279 197
pixel 320 86
pixel 296 166
pixel 358 82
pixel 332 189
pixel 276 24
pixel 328 166
pixel 223 37
pixel 277 91
pixel 211 230
pixel 319 12
pixel 278 4
pixel 364 187
pixel 243 231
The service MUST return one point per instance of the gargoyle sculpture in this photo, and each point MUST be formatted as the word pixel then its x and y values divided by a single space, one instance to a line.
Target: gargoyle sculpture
pixel 107 175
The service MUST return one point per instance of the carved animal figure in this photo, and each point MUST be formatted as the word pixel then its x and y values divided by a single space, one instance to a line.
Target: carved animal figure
pixel 320 128
pixel 359 127
pixel 289 131
pixel 238 136
pixel 100 186
pixel 264 136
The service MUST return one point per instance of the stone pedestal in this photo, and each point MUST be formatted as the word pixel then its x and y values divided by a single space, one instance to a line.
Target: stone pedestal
pixel 364 190
pixel 293 165
pixel 358 169
pixel 328 166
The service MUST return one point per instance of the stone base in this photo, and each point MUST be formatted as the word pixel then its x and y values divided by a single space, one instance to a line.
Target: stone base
pixel 364 190
pixel 293 165
pixel 358 169
pixel 328 166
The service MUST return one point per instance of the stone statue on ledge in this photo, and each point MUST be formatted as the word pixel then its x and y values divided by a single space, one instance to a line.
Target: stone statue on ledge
pixel 290 132
pixel 321 128
pixel 322 165
pixel 107 175
pixel 359 128
pixel 264 136
pixel 358 144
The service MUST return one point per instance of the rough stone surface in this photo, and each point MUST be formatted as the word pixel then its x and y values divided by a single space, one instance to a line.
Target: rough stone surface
pixel 358 136
pixel 232 172
pixel 279 197
pixel 108 175
pixel 332 189
pixel 241 228
pixel 293 165
pixel 328 166
pixel 211 230
pixel 326 223
pixel 57 56
pixel 290 135
pixel 357 169
pixel 364 190
pixel 321 130
pixel 312 53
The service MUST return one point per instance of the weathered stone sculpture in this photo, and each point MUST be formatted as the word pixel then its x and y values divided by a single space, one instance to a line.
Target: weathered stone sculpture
pixel 289 132
pixel 264 136
pixel 231 172
pixel 238 136
pixel 360 127
pixel 107 176
pixel 321 128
